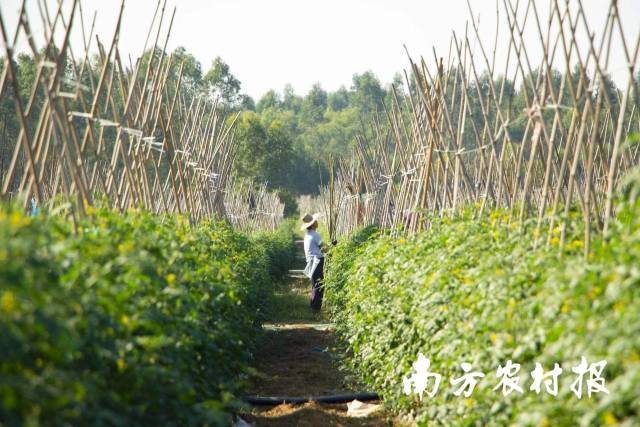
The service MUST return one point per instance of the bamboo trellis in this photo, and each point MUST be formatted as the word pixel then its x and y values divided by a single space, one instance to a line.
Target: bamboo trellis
pixel 252 207
pixel 131 134
pixel 447 144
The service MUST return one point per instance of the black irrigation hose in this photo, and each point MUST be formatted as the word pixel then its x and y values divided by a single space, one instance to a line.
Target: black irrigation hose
pixel 337 398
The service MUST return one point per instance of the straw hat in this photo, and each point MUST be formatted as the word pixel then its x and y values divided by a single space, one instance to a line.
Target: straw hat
pixel 308 220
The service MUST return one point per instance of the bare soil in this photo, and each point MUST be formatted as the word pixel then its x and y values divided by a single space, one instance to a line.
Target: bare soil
pixel 298 358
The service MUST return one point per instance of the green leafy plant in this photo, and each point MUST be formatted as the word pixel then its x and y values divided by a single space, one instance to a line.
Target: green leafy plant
pixel 136 320
pixel 481 292
pixel 279 248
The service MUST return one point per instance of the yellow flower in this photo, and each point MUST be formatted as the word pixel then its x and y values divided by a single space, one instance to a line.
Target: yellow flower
pixel 633 358
pixel 7 302
pixel 493 337
pixel 594 292
pixel 468 402
pixel 545 422
pixel 124 319
pixel 609 419
pixel 444 308
pixel 122 365
pixel 566 307
pixel 18 220
pixel 125 247
pixel 171 278
pixel 555 241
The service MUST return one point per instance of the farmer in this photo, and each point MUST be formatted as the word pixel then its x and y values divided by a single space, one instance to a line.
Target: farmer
pixel 315 259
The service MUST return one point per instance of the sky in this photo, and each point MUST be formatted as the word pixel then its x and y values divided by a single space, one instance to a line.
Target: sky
pixel 271 43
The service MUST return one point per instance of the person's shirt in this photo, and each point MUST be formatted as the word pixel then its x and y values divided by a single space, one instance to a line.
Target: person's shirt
pixel 312 243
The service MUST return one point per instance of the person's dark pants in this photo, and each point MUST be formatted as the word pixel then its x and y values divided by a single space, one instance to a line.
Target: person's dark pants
pixel 317 290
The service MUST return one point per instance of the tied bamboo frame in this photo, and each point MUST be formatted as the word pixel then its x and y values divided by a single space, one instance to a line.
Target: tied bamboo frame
pixel 423 162
pixel 158 150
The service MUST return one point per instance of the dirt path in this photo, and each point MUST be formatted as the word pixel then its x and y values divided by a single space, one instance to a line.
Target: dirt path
pixel 298 358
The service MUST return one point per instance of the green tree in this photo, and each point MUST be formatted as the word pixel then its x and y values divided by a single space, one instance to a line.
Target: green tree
pixel 265 154
pixel 314 105
pixel 250 137
pixel 291 101
pixel 27 71
pixel 277 158
pixel 219 82
pixel 368 94
pixel 192 69
pixel 271 99
pixel 247 103
pixel 339 100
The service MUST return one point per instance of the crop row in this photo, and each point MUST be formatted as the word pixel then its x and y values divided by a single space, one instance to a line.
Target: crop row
pixel 134 319
pixel 481 292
